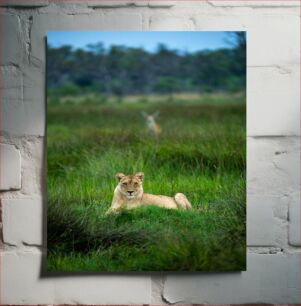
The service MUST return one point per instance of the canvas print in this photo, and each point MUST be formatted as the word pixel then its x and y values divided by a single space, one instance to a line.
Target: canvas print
pixel 146 151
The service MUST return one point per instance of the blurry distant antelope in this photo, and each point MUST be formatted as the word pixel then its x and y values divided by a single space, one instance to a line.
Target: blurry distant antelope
pixel 152 126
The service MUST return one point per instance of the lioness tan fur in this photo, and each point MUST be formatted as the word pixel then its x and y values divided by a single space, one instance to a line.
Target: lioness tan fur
pixel 129 194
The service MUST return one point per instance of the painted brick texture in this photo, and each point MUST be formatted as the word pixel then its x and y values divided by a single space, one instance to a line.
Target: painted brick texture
pixel 273 148
pixel 10 168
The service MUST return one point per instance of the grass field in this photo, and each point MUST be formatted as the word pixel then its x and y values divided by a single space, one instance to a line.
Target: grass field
pixel 201 152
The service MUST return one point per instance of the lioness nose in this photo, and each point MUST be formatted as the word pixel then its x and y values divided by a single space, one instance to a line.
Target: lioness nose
pixel 130 192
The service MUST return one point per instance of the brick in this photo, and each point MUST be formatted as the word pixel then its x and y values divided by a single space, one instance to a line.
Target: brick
pixel 122 22
pixel 170 23
pixel 126 3
pixel 278 89
pixel 116 3
pixel 261 224
pixel 294 220
pixel 21 279
pixel 141 3
pixel 22 221
pixel 24 3
pixel 250 3
pixel 268 37
pixel 162 3
pixel 10 169
pixel 12 45
pixel 34 100
pixel 108 4
pixel 22 283
pixel 268 279
pixel 33 169
pixel 273 165
pixel 12 99
pixel 24 102
pixel 11 83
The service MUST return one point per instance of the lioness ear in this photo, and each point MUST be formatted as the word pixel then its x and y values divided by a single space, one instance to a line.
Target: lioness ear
pixel 140 176
pixel 119 176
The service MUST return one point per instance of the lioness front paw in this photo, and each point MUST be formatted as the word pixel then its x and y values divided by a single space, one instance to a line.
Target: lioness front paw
pixel 111 211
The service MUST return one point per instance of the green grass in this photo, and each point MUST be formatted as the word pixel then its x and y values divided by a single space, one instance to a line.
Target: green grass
pixel 201 152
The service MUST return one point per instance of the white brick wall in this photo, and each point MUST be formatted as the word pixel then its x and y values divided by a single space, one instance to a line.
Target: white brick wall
pixel 170 23
pixel 273 127
pixel 23 222
pixel 294 220
pixel 10 171
pixel 24 284
pixel 269 279
pixel 12 49
pixel 24 3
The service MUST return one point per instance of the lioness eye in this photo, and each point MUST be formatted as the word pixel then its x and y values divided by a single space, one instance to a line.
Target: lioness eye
pixel 136 184
pixel 124 184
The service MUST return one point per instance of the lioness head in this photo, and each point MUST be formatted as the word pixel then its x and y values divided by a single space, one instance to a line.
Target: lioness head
pixel 130 185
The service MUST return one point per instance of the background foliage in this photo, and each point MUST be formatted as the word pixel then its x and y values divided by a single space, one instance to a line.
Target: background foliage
pixel 122 70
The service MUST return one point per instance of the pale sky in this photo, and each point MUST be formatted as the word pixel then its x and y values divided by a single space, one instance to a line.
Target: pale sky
pixel 182 41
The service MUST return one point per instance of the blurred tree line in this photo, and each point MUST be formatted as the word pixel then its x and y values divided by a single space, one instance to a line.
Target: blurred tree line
pixel 122 70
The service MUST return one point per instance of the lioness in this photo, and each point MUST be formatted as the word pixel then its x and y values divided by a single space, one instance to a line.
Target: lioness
pixel 129 194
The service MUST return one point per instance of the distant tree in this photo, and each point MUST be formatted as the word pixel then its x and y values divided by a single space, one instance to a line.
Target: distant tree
pixel 121 70
pixel 166 85
pixel 116 88
pixel 97 48
pixel 166 62
pixel 213 69
pixel 133 66
pixel 238 41
pixel 59 65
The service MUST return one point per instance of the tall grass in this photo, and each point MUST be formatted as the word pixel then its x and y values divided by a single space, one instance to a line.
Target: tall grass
pixel 201 152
